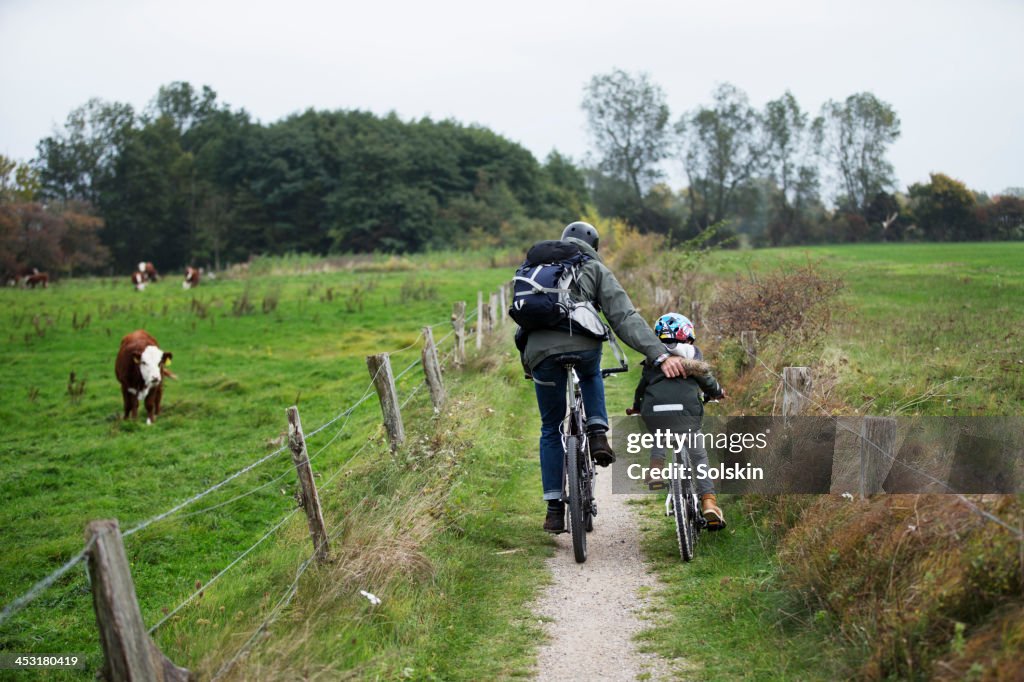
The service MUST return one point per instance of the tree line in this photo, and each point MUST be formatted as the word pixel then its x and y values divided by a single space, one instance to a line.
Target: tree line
pixel 189 180
pixel 760 173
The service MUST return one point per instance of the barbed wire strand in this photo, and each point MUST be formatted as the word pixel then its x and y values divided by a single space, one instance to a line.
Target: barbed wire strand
pixel 411 395
pixel 199 496
pixel 286 599
pixel 411 345
pixel 346 465
pixel 444 338
pixel 347 413
pixel 227 568
pixel 41 586
pixel 408 369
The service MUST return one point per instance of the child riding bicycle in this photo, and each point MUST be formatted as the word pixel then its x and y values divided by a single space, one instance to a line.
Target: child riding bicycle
pixel 685 394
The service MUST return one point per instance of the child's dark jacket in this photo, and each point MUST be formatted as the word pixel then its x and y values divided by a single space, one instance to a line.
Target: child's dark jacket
pixel 659 396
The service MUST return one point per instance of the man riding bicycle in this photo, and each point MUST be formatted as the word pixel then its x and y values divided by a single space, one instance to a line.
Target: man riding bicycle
pixel 596 284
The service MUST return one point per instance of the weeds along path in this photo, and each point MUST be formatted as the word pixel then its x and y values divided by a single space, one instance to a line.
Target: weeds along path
pixel 594 609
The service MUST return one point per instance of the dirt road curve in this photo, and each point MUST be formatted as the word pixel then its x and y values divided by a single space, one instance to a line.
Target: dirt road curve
pixel 594 607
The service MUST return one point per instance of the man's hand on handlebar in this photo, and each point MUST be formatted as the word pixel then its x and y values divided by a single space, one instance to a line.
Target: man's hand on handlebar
pixel 672 367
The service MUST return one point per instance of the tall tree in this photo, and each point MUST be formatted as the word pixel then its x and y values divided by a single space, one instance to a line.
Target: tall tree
pixel 721 152
pixel 628 120
pixel 18 181
pixel 855 136
pixel 77 161
pixel 790 156
pixel 181 103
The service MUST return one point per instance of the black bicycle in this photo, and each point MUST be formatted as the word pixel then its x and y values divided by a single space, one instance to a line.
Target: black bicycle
pixel 682 503
pixel 578 470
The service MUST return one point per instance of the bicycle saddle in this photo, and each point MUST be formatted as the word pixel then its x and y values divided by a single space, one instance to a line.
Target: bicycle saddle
pixel 569 359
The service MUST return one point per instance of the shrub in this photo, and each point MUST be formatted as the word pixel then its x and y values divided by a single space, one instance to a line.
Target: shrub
pixel 795 302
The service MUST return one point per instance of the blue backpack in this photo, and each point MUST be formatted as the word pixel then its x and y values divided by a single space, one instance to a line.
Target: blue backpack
pixel 541 297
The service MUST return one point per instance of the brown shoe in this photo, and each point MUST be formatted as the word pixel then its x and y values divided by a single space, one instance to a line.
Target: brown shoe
pixel 712 514
pixel 655 483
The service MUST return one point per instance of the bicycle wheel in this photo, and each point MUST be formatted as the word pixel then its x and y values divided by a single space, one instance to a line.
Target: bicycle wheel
pixel 577 513
pixel 681 511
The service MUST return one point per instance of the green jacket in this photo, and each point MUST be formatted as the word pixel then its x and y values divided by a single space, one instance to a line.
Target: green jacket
pixel 596 283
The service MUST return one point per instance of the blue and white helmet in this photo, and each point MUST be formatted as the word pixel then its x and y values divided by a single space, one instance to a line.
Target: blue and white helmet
pixel 674 328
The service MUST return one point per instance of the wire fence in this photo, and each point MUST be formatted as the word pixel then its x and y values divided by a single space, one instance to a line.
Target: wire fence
pixel 345 416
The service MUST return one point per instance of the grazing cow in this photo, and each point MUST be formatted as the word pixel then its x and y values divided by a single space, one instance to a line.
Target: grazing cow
pixel 139 280
pixel 20 276
pixel 149 271
pixel 38 279
pixel 191 278
pixel 141 367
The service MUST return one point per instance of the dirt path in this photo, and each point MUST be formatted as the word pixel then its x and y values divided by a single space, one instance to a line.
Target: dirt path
pixel 595 607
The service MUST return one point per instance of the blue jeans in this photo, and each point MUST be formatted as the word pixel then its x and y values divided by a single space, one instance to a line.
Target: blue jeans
pixel 549 379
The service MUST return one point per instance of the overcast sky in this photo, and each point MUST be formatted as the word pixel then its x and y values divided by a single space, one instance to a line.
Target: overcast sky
pixel 952 69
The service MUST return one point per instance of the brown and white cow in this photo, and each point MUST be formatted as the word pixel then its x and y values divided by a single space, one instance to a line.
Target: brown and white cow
pixel 20 276
pixel 39 279
pixel 139 280
pixel 150 273
pixel 141 367
pixel 191 278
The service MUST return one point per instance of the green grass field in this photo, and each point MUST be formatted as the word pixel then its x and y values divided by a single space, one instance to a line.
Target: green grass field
pixel 923 329
pixel 244 350
pixel 445 531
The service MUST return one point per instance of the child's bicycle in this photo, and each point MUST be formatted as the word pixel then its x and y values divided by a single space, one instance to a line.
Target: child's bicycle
pixel 683 505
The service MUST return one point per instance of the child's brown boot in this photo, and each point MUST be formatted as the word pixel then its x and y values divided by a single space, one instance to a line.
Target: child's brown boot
pixel 712 514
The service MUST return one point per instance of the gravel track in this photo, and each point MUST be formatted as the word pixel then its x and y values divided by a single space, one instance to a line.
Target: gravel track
pixel 595 608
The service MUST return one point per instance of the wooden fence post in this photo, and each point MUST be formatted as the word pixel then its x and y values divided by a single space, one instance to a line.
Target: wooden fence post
pixel 796 390
pixel 696 315
pixel 432 370
pixel 479 320
pixel 384 381
pixel 877 452
pixel 310 498
pixel 492 314
pixel 128 650
pixel 749 342
pixel 502 305
pixel 662 298
pixel 459 322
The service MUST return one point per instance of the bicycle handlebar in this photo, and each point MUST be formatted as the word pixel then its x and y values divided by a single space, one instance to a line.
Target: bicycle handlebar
pixel 614 370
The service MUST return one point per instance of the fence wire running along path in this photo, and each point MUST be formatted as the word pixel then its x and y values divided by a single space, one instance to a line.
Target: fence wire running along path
pixel 37 589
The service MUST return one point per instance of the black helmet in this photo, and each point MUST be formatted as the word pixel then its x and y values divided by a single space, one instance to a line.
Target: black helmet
pixel 583 231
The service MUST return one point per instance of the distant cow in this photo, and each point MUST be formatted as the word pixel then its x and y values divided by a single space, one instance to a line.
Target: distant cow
pixel 191 278
pixel 139 280
pixel 141 367
pixel 20 276
pixel 149 271
pixel 38 279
